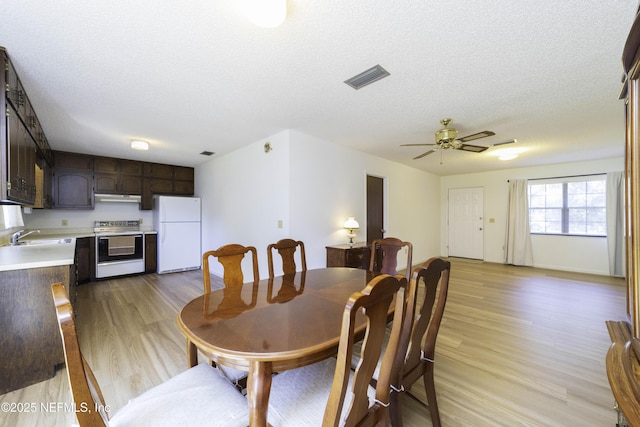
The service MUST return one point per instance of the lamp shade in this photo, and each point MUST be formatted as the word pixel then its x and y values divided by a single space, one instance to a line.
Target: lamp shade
pixel 351 223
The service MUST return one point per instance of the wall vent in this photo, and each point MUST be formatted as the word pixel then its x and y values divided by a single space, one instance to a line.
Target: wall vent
pixel 373 74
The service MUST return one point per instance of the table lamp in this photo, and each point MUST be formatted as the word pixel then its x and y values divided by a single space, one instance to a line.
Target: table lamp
pixel 351 224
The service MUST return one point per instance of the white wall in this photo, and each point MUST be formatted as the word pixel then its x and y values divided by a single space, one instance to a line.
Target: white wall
pixel 312 186
pixel 44 219
pixel 570 253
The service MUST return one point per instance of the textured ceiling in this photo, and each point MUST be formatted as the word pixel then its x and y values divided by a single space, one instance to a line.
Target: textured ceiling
pixel 194 76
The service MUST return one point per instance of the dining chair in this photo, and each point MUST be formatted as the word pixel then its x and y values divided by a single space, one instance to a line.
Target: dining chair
pixel 329 390
pixel 196 397
pixel 384 256
pixel 287 250
pixel 419 335
pixel 230 256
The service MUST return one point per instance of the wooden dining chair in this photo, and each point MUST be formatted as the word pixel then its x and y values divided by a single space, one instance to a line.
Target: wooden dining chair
pixel 230 256
pixel 287 250
pixel 196 397
pixel 419 335
pixel 329 390
pixel 384 256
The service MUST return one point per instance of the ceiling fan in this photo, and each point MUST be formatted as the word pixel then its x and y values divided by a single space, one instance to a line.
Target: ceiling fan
pixel 447 137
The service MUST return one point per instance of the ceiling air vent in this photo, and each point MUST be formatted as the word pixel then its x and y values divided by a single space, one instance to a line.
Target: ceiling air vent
pixel 373 74
pixel 207 153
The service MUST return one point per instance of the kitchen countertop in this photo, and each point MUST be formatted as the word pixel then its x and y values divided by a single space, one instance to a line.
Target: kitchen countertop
pixel 35 256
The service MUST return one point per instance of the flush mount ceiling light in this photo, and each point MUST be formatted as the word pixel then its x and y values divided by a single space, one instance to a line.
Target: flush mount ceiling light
pixel 138 144
pixel 508 153
pixel 266 13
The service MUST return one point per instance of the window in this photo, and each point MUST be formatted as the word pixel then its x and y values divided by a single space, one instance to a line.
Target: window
pixel 575 206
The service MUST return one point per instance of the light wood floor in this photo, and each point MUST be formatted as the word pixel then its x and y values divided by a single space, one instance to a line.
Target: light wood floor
pixel 518 346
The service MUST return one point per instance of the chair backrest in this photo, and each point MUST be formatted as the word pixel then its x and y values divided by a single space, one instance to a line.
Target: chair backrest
pixel 384 256
pixel 375 300
pixel 287 249
pixel 230 256
pixel 435 275
pixel 84 387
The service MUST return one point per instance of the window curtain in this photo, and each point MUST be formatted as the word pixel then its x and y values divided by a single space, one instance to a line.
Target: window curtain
pixel 518 240
pixel 615 223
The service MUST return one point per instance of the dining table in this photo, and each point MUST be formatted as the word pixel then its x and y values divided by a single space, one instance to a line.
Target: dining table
pixel 272 325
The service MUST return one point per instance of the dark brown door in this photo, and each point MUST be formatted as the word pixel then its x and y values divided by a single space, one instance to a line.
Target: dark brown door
pixel 375 208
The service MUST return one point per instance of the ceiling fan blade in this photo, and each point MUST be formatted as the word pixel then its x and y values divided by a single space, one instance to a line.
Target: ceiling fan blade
pixel 473 148
pixel 509 141
pixel 423 154
pixel 483 134
pixel 414 145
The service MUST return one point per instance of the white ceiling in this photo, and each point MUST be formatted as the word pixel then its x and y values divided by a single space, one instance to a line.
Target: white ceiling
pixel 194 76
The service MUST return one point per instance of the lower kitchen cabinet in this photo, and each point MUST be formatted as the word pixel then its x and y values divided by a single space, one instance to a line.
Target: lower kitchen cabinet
pixel 150 252
pixel 85 259
pixel 31 344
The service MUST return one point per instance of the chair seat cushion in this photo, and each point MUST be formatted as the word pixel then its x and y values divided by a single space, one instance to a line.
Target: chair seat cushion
pixel 299 396
pixel 232 374
pixel 199 396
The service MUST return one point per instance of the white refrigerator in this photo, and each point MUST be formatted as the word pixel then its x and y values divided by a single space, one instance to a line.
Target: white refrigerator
pixel 177 221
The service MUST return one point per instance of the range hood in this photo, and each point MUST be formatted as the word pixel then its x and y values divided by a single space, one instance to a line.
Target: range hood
pixel 117 198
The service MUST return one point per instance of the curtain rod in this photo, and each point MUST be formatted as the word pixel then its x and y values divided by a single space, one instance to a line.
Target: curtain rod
pixel 567 176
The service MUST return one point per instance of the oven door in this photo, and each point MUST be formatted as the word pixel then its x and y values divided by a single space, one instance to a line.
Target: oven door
pixel 118 254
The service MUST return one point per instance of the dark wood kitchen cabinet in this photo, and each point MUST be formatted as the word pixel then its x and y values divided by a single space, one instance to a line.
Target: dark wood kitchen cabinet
pixel 22 140
pixel 21 154
pixel 85 259
pixel 72 189
pixel 72 181
pixel 356 256
pixel 165 180
pixel 76 161
pixel 31 346
pixel 150 252
pixel 117 176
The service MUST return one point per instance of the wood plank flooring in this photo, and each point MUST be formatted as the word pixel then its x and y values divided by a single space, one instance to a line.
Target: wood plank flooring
pixel 518 346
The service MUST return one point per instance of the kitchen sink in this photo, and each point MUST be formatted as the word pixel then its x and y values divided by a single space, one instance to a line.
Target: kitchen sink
pixel 41 242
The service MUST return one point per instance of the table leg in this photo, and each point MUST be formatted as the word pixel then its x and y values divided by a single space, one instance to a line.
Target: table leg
pixel 192 354
pixel 258 389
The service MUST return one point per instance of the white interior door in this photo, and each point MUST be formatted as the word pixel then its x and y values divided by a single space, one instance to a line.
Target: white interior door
pixel 466 223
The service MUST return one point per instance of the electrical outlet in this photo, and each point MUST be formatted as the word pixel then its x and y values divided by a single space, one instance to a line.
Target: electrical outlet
pixel 279 223
pixel 65 222
pixel 140 221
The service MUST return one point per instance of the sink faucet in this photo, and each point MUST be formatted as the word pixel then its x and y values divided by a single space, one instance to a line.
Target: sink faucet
pixel 18 235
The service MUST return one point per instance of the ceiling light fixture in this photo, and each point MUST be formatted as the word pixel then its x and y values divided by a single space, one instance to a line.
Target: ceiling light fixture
pixel 138 144
pixel 508 153
pixel 266 13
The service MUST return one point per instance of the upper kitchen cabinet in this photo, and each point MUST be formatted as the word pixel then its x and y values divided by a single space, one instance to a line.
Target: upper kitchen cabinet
pixel 117 176
pixel 22 141
pixel 72 179
pixel 166 180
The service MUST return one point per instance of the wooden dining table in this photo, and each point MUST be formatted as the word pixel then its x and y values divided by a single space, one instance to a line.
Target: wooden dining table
pixel 272 325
